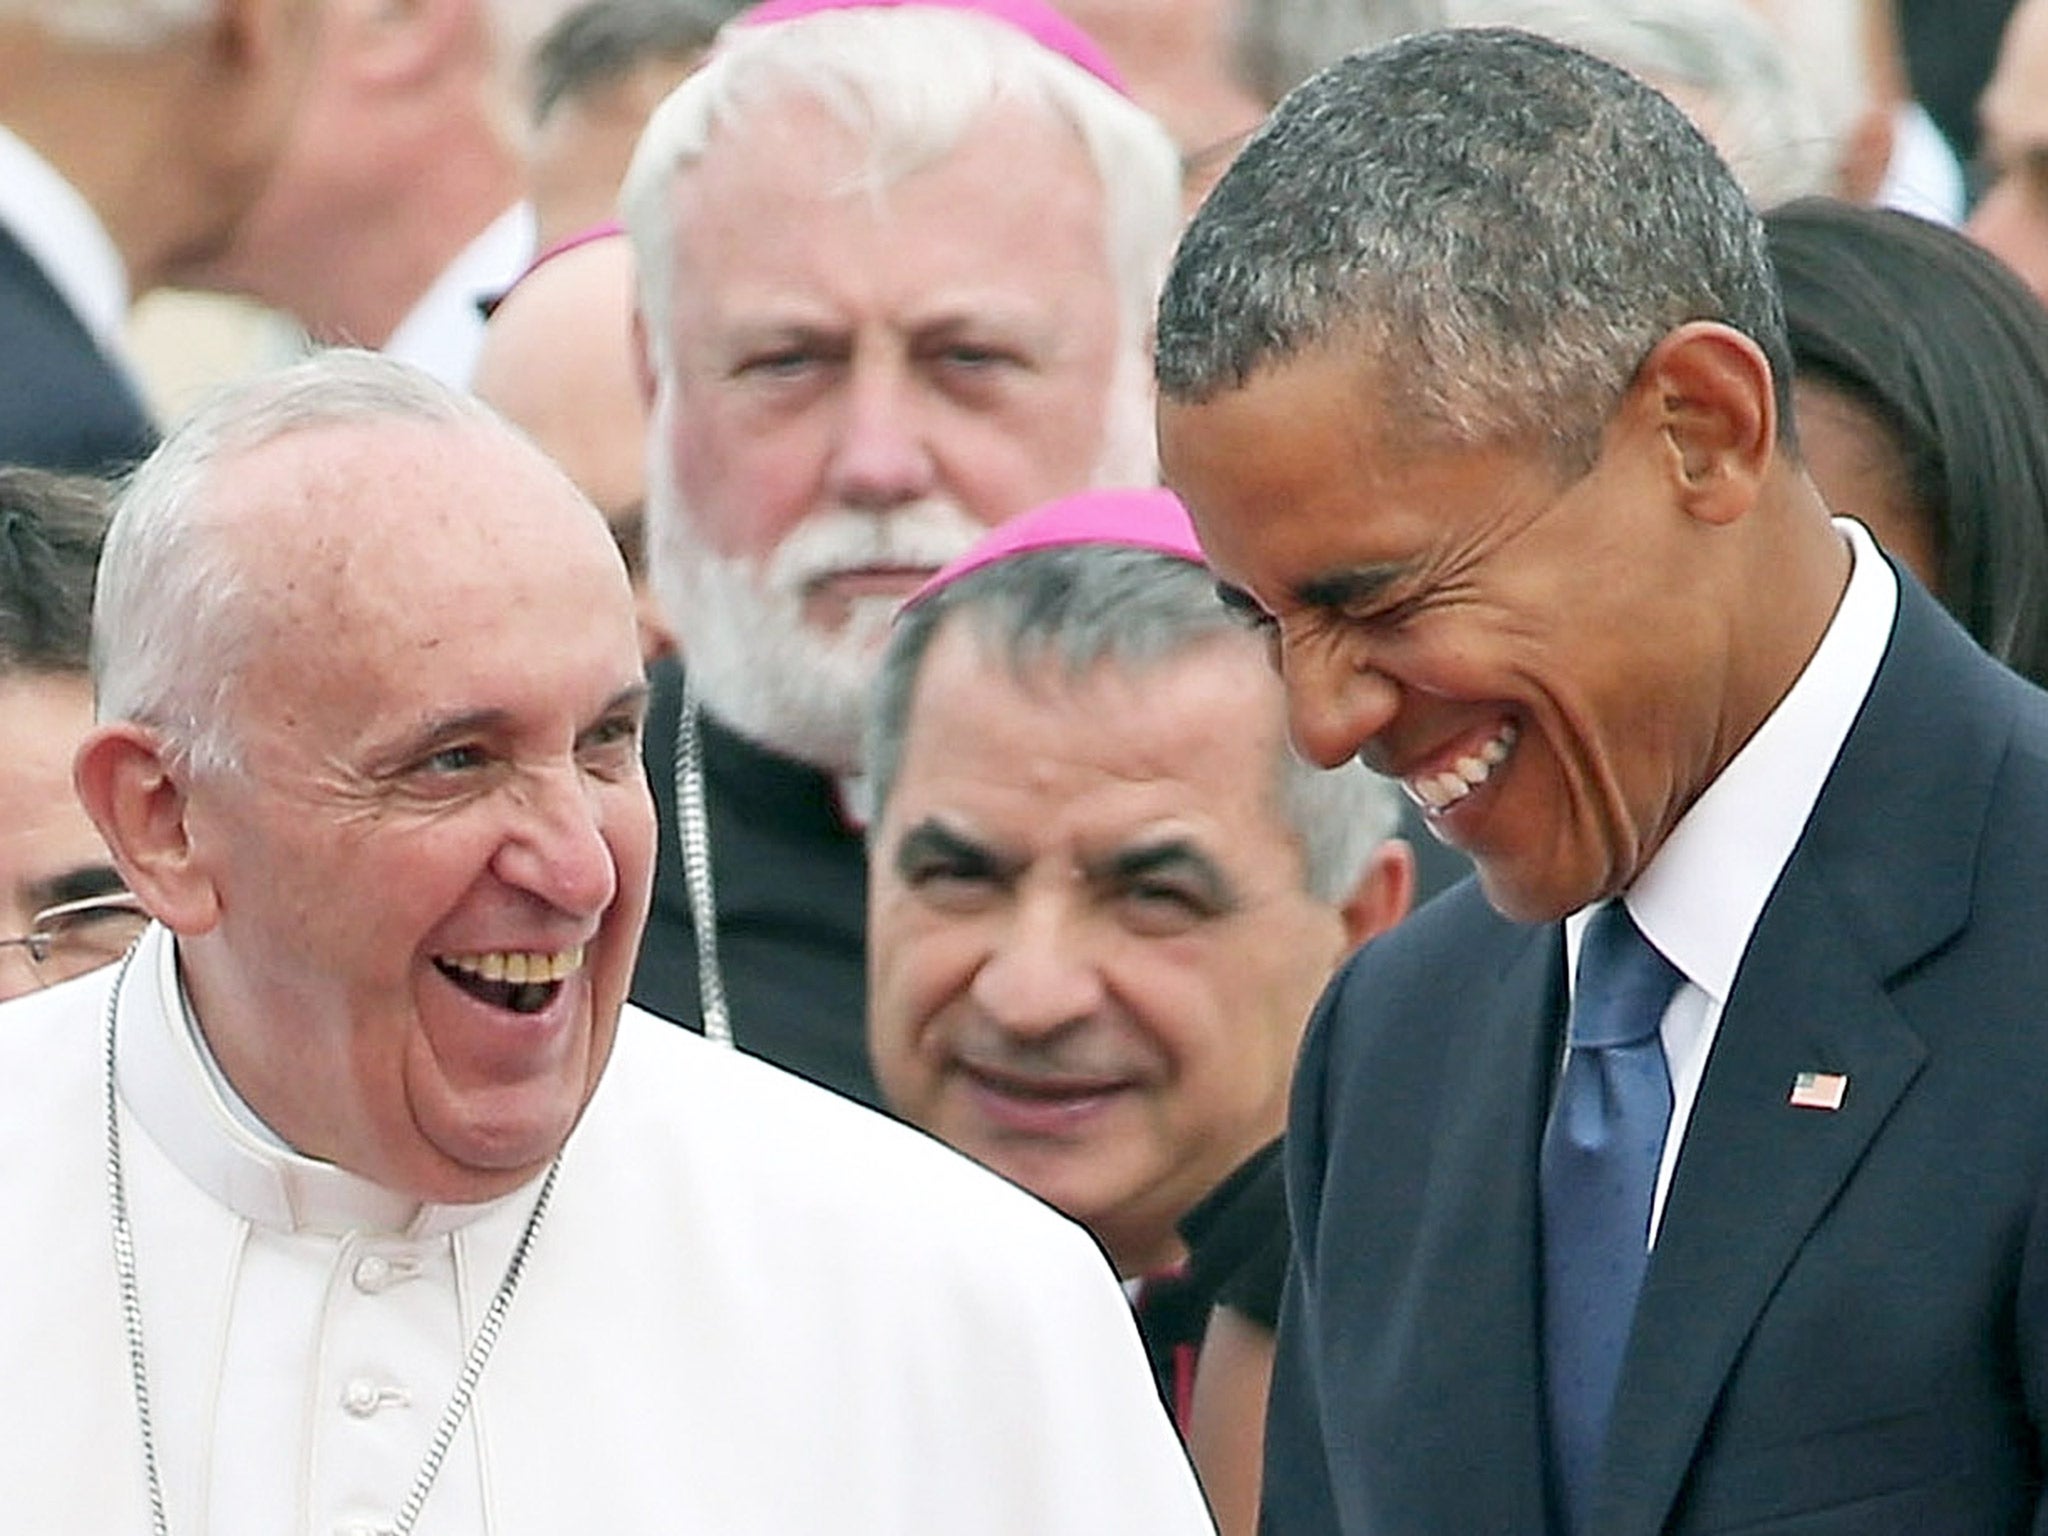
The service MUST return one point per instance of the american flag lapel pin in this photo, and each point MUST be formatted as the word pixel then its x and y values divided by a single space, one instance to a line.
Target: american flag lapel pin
pixel 1819 1090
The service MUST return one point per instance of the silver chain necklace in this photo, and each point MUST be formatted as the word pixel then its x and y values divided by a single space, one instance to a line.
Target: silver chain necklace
pixel 466 1381
pixel 693 835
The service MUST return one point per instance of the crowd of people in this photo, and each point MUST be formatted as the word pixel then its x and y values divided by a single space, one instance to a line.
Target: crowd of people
pixel 1003 766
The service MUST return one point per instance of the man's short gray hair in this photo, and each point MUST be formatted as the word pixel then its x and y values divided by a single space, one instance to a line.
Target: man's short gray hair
pixel 1763 119
pixel 1081 606
pixel 172 615
pixel 1499 227
pixel 127 25
pixel 910 82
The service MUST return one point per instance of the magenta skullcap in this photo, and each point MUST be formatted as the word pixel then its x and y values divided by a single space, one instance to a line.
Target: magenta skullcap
pixel 1036 18
pixel 1135 519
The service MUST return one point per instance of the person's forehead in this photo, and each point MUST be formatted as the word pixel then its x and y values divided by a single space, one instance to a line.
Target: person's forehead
pixel 791 156
pixel 43 718
pixel 1310 470
pixel 1196 732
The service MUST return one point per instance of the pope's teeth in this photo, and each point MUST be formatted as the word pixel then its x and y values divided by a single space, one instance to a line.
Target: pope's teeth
pixel 519 967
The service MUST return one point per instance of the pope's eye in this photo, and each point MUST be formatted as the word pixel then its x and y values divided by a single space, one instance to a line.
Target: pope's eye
pixel 454 759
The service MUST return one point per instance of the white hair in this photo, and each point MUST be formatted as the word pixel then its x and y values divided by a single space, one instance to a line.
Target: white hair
pixel 910 81
pixel 131 25
pixel 1827 49
pixel 172 619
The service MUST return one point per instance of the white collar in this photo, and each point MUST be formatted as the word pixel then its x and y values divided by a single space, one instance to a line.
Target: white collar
pixel 61 232
pixel 1701 896
pixel 444 330
pixel 174 1098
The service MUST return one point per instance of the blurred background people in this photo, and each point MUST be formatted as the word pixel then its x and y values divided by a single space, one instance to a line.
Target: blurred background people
pixel 558 358
pixel 1179 60
pixel 1948 48
pixel 1921 398
pixel 400 198
pixel 55 875
pixel 592 81
pixel 558 363
pixel 1718 59
pixel 2011 216
pixel 1104 897
pixel 1822 107
pixel 134 137
pixel 897 267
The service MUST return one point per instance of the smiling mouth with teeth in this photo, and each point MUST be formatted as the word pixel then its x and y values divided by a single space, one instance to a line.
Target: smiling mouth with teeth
pixel 519 980
pixel 1442 790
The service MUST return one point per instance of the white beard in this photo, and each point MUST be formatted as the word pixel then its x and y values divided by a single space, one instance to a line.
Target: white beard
pixel 739 620
pixel 752 658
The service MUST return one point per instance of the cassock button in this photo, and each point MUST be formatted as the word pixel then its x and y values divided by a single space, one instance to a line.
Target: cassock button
pixel 361 1397
pixel 373 1274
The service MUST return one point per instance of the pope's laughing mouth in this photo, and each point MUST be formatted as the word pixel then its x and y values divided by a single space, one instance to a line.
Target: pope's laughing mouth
pixel 518 980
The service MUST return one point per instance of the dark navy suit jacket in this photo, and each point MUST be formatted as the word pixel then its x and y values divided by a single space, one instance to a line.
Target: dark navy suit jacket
pixel 1844 1326
pixel 62 404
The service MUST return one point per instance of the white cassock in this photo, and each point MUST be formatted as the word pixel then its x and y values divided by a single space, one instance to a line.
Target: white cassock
pixel 752 1307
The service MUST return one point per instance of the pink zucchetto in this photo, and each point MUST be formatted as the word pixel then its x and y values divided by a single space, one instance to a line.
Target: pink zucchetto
pixel 1035 18
pixel 1134 519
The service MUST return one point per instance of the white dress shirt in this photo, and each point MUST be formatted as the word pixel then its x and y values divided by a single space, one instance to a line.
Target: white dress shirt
pixel 444 330
pixel 1699 899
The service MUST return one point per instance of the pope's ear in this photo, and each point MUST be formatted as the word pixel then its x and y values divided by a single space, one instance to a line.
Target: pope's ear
pixel 1708 390
pixel 136 793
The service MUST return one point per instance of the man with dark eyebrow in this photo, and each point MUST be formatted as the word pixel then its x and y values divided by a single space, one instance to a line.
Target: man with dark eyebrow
pixel 1103 898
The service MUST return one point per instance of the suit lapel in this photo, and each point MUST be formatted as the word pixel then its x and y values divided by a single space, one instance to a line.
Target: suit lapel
pixel 1751 1185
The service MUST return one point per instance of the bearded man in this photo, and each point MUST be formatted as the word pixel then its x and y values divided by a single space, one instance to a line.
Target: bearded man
pixel 896 272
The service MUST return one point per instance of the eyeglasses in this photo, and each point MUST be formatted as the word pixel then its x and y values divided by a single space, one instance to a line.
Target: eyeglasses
pixel 74 937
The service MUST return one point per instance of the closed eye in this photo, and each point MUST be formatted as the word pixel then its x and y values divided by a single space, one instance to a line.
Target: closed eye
pixel 1159 909
pixel 946 868
pixel 1166 888
pixel 785 364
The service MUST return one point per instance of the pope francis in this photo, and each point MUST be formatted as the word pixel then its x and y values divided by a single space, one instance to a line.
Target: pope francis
pixel 355 1199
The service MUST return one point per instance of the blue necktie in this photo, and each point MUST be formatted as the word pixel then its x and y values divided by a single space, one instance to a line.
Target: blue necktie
pixel 1600 1156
